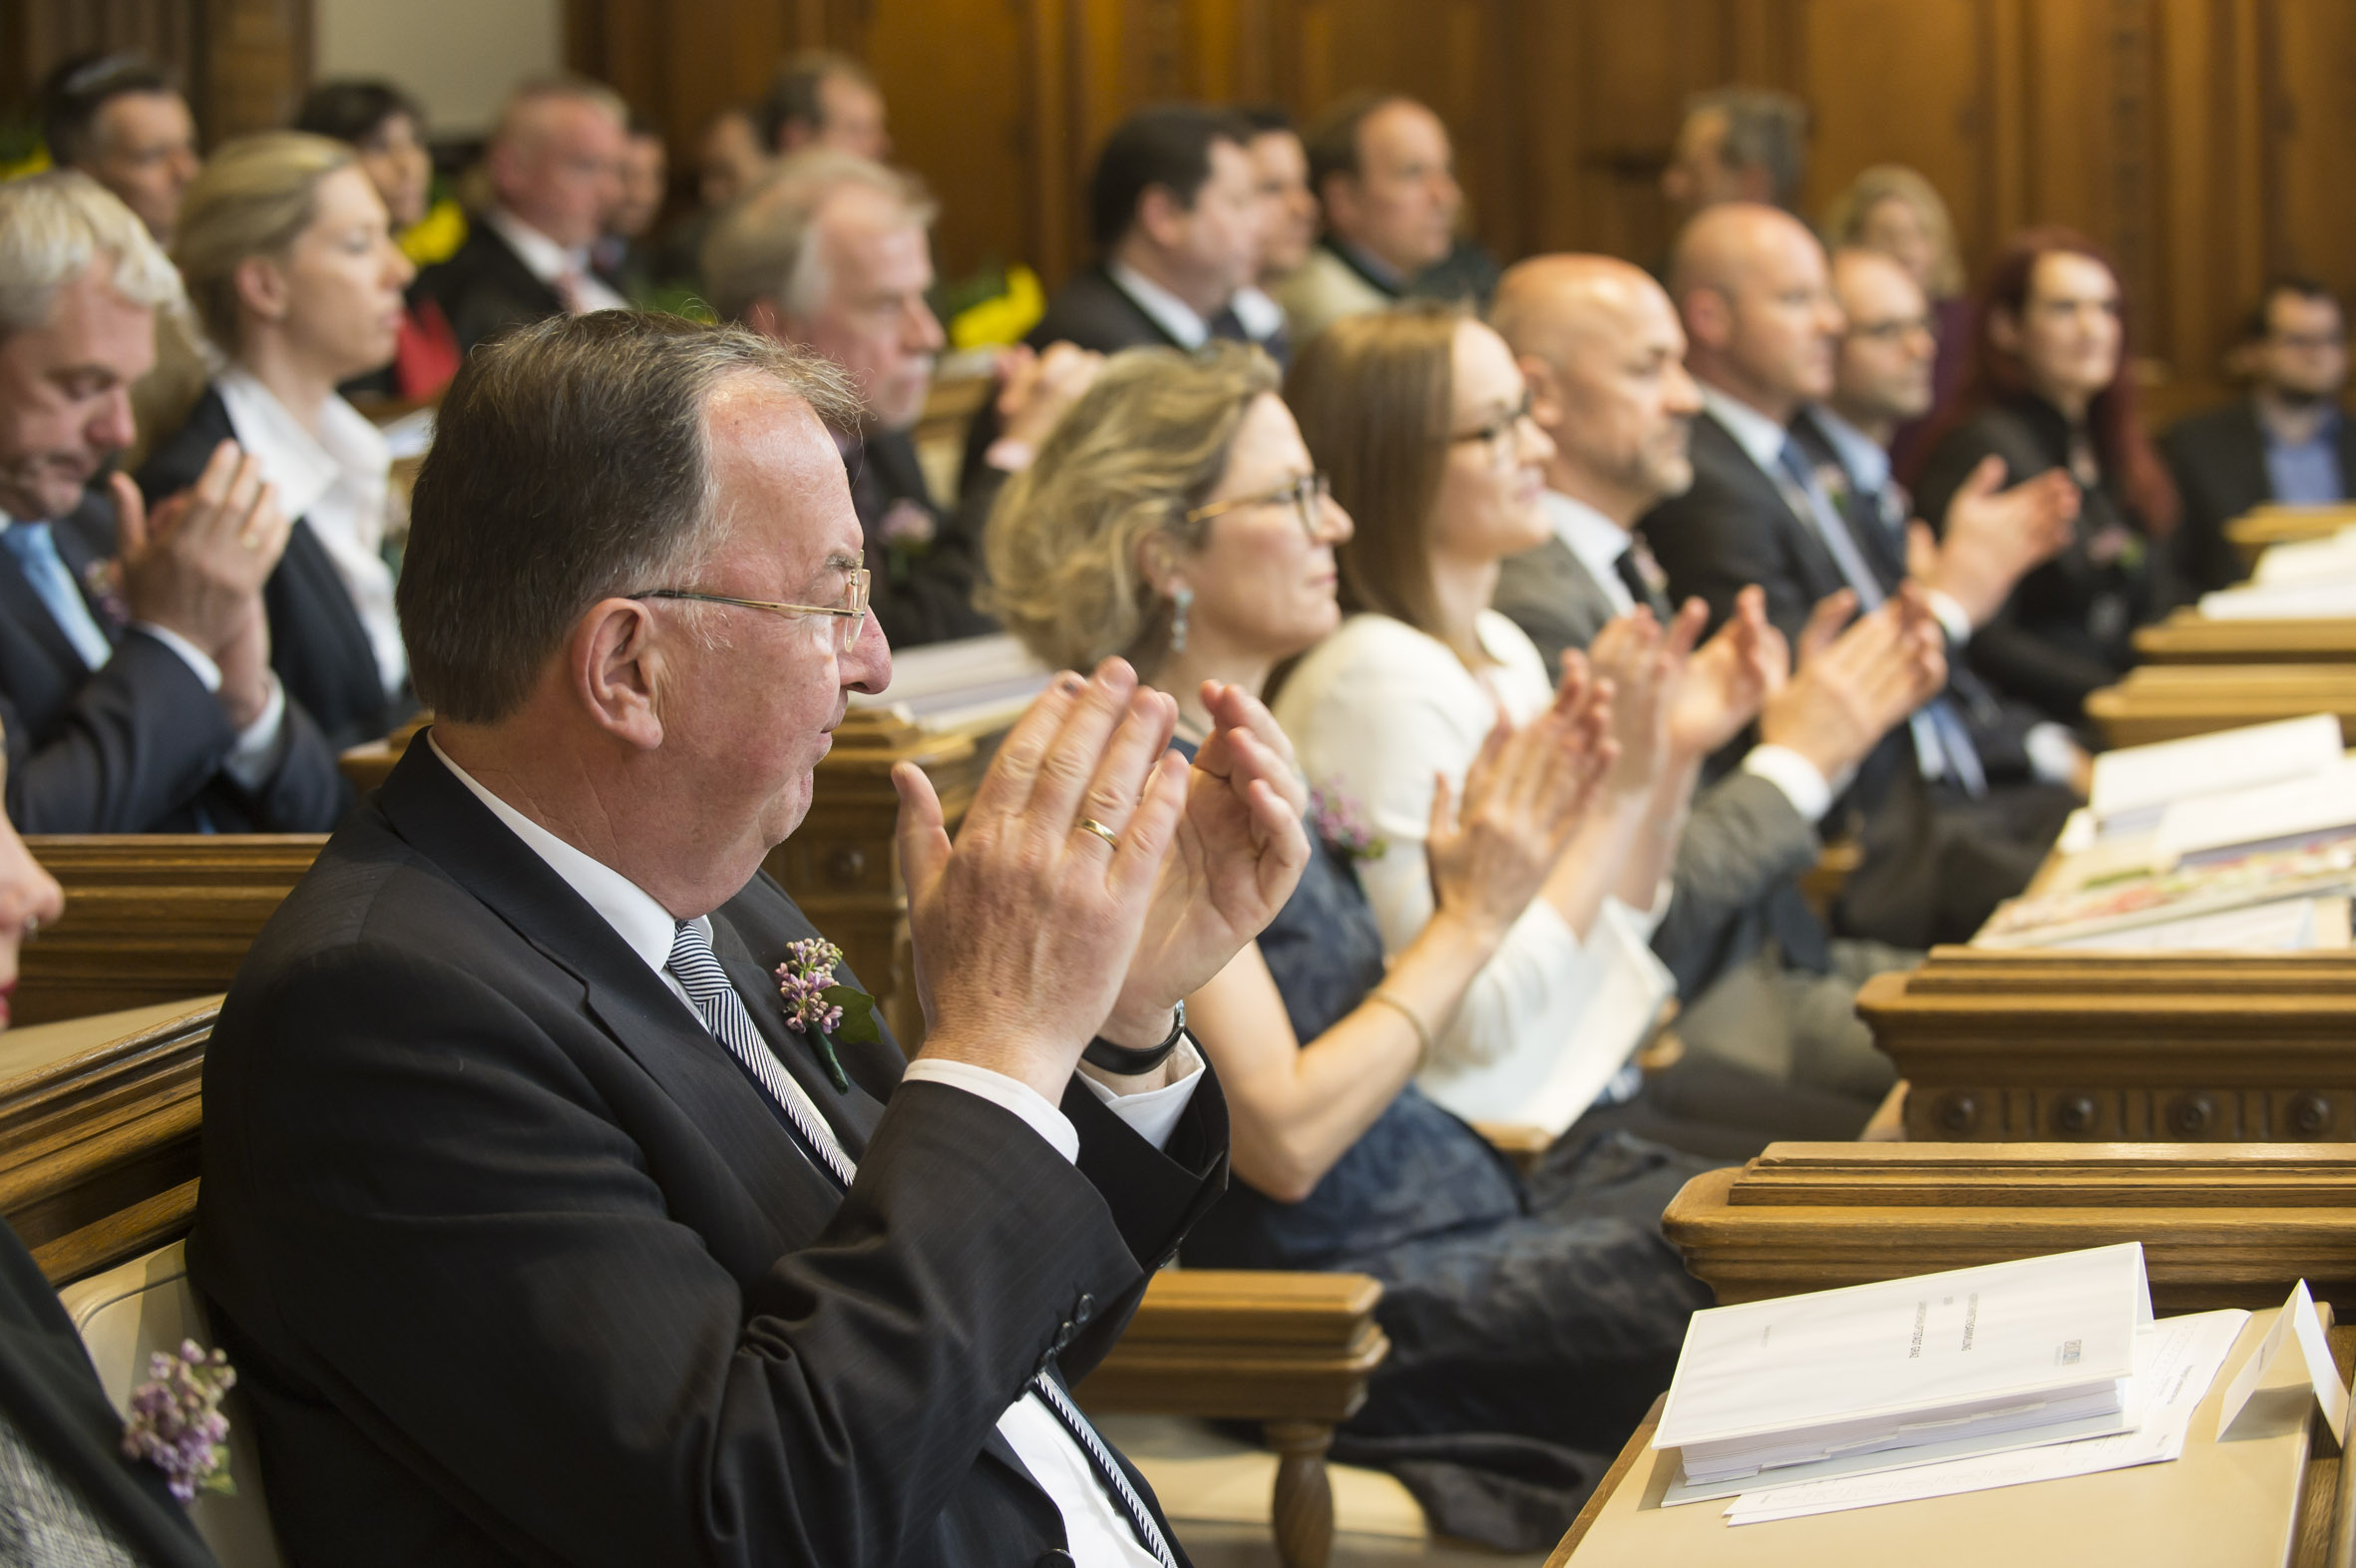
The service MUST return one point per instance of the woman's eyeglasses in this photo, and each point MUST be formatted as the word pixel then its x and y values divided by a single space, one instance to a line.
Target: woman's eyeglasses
pixel 1497 435
pixel 1307 496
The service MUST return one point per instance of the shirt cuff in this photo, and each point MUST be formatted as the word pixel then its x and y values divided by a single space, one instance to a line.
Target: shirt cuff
pixel 1153 1114
pixel 1648 920
pixel 2053 752
pixel 195 657
pixel 1952 620
pixel 1006 1093
pixel 1809 791
pixel 262 745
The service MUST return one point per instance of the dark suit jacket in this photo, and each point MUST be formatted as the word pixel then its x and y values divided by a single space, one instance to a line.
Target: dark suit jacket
pixel 926 593
pixel 2220 463
pixel 484 287
pixel 50 1394
pixel 2067 628
pixel 1734 881
pixel 519 1266
pixel 319 646
pixel 135 746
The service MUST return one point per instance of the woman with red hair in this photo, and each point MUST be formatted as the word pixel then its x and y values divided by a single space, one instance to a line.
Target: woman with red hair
pixel 2050 386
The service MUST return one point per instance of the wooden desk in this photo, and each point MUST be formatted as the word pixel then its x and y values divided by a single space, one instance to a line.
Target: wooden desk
pixel 2261 527
pixel 2190 637
pixel 152 918
pixel 2169 701
pixel 2101 1047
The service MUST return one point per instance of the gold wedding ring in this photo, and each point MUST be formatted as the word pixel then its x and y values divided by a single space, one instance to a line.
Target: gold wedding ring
pixel 1091 825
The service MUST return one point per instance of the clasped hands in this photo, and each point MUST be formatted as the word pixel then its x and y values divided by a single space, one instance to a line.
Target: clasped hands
pixel 1034 932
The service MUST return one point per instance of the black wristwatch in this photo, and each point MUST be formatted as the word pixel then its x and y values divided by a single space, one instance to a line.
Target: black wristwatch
pixel 1129 1063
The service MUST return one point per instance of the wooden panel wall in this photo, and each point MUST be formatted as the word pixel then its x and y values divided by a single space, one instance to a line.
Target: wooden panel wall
pixel 244 63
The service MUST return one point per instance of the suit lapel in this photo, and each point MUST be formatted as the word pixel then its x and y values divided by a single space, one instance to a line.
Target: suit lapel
pixel 1819 570
pixel 852 1117
pixel 1588 606
pixel 435 813
pixel 28 609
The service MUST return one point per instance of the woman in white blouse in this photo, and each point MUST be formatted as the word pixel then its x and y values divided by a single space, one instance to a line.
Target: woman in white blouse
pixel 284 246
pixel 1421 417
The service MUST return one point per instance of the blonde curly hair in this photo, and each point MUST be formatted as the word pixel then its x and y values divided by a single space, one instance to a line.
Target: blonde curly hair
pixel 1139 448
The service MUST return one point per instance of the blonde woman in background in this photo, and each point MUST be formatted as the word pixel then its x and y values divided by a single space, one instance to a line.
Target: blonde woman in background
pixel 1895 211
pixel 1174 517
pixel 289 258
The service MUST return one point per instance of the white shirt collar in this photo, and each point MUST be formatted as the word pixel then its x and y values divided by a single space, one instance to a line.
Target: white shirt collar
pixel 1261 315
pixel 1867 464
pixel 1174 315
pixel 1596 541
pixel 646 926
pixel 305 467
pixel 547 259
pixel 1752 431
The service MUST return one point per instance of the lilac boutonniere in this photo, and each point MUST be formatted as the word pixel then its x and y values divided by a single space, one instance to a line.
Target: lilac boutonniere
pixel 1341 821
pixel 103 580
pixel 175 1422
pixel 821 1006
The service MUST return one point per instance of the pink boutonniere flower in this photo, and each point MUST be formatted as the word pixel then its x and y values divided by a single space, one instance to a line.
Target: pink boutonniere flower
pixel 1341 821
pixel 175 1422
pixel 823 1007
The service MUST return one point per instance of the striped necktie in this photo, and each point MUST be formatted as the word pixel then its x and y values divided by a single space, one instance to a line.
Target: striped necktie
pixel 725 1015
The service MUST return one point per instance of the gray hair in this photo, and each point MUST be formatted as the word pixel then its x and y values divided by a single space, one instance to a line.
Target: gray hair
pixel 1763 128
pixel 570 464
pixel 56 226
pixel 765 248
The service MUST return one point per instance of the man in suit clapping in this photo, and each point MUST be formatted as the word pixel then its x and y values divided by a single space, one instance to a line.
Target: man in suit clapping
pixel 541 1222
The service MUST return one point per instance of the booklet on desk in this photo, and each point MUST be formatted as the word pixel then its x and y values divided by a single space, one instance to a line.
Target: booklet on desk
pixel 2134 786
pixel 2036 1345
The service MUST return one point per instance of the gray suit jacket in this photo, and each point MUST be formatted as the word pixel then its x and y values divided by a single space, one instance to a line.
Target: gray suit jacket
pixel 1734 883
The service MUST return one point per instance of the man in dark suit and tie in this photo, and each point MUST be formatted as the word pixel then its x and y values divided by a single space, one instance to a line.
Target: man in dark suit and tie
pixel 134 677
pixel 832 252
pixel 2287 442
pixel 555 162
pixel 550 1215
pixel 1763 986
pixel 1954 819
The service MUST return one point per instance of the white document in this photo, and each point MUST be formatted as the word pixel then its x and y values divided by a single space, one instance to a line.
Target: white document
pixel 2297 1326
pixel 1909 1363
pixel 2177 1362
pixel 2290 926
pixel 2133 784
pixel 2308 560
pixel 972 683
pixel 2328 599
pixel 2264 814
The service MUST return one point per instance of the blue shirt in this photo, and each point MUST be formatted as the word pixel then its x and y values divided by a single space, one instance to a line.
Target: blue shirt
pixel 2307 473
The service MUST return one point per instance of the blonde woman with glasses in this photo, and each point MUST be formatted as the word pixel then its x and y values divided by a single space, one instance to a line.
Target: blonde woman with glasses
pixel 1175 517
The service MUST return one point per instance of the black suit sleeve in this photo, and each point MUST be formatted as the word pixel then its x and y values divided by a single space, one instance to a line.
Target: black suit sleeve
pixel 308 793
pixel 140 738
pixel 1712 546
pixel 493 1283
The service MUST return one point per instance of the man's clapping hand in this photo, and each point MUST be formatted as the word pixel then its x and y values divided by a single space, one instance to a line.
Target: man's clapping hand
pixel 1032 930
pixel 1852 687
pixel 1728 678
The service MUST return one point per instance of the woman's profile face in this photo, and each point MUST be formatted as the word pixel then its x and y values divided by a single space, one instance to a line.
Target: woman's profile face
pixel 1893 226
pixel 2070 328
pixel 1488 506
pixel 1264 576
pixel 343 278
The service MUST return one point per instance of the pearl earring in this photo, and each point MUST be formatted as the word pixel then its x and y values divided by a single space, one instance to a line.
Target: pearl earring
pixel 1181 601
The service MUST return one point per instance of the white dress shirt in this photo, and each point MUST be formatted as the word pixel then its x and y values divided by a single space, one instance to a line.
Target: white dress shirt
pixel 1259 316
pixel 555 265
pixel 339 483
pixel 1097 1532
pixel 1374 711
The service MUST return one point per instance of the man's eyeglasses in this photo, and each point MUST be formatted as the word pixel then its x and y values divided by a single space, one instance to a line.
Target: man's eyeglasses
pixel 1307 496
pixel 1894 329
pixel 851 612
pixel 1498 434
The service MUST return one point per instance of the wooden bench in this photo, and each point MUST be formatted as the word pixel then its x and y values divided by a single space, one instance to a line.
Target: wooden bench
pixel 2002 1045
pixel 100 1122
pixel 2261 527
pixel 152 918
pixel 2169 701
pixel 2189 638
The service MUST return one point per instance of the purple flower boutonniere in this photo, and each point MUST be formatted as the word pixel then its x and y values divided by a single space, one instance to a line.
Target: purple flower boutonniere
pixel 175 1422
pixel 1341 823
pixel 821 1006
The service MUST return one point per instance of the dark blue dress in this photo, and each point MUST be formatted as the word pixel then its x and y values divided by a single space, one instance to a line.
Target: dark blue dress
pixel 1550 1308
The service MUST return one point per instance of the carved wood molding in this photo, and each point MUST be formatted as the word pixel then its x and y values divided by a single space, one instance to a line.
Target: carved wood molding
pixel 152 916
pixel 2221 1226
pixel 1245 1345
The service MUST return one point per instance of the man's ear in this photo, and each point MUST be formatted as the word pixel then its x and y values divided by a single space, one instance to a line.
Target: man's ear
pixel 617 668
pixel 1161 216
pixel 2004 330
pixel 1709 318
pixel 1546 401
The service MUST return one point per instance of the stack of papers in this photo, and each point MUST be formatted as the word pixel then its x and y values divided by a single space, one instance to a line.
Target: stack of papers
pixel 2134 786
pixel 2331 559
pixel 969 687
pixel 2327 599
pixel 1881 1377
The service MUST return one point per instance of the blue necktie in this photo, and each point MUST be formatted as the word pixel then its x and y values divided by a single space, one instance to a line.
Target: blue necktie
pixel 1942 742
pixel 35 548
pixel 724 1013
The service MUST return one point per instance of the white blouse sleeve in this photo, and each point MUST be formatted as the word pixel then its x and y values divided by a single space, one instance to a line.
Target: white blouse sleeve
pixel 1375 714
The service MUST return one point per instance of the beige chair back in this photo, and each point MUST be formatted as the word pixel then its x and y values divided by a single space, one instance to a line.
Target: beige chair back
pixel 126 1314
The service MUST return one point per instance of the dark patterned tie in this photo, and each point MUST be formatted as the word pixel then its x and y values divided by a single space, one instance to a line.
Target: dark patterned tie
pixel 724 1013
